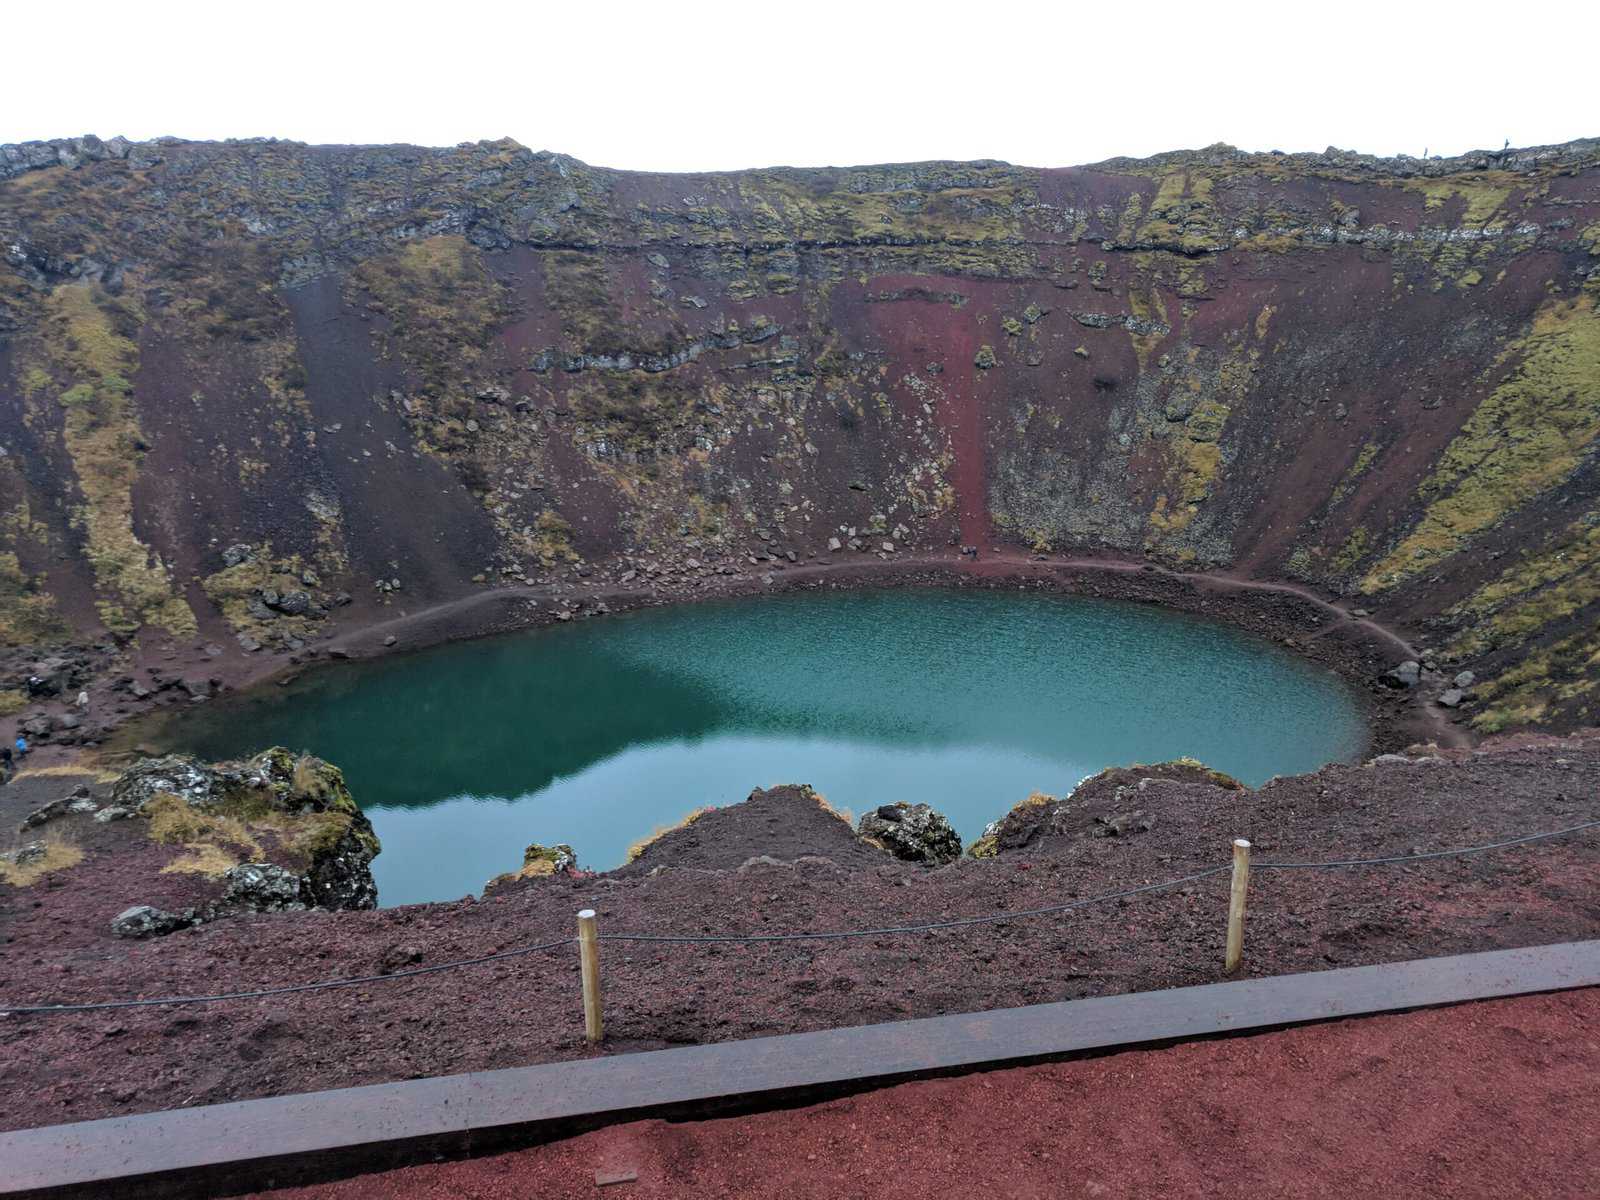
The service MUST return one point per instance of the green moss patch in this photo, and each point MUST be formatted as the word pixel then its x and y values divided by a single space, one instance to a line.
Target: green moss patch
pixel 87 346
pixel 1529 435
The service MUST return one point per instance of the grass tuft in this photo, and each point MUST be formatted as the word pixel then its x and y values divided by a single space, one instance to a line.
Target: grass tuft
pixel 59 855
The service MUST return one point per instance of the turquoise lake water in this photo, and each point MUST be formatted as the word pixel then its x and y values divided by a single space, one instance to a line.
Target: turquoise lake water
pixel 598 732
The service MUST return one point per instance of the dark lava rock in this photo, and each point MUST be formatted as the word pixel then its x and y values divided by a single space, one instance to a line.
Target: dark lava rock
pixel 75 801
pixel 144 921
pixel 291 604
pixel 560 857
pixel 1111 803
pixel 788 823
pixel 539 862
pixel 1407 675
pixel 45 682
pixel 912 833
pixel 398 957
pixel 25 855
pixel 263 887
pixel 177 775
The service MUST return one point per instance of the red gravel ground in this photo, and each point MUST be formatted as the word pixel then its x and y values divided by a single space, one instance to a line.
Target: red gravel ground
pixel 56 946
pixel 1494 1099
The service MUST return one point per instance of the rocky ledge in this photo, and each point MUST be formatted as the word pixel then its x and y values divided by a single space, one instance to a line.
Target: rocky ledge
pixel 278 832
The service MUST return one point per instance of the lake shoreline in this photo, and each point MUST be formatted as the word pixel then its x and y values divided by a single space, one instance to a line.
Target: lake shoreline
pixel 594 733
pixel 1358 648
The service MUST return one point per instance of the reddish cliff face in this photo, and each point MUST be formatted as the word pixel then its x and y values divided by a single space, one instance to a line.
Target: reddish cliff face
pixel 249 390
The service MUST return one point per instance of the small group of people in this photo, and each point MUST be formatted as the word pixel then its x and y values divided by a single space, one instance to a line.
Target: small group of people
pixel 10 759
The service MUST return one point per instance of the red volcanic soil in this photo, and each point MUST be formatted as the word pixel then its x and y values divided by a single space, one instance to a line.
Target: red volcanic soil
pixel 709 878
pixel 1492 1099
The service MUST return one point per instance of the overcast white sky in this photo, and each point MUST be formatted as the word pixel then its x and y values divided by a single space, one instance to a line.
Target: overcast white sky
pixel 679 85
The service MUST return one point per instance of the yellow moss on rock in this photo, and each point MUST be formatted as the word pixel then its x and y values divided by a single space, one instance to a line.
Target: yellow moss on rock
pixel 1482 195
pixel 444 307
pixel 233 590
pixel 1528 436
pixel 1347 481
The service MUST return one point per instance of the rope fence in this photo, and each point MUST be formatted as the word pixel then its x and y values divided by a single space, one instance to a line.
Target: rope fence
pixel 589 939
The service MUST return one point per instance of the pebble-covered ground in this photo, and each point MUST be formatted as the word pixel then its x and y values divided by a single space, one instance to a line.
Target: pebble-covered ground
pixel 56 946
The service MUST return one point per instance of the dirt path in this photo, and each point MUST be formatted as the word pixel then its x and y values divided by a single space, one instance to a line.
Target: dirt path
pixel 505 609
pixel 1491 1099
pixel 987 566
pixel 1216 596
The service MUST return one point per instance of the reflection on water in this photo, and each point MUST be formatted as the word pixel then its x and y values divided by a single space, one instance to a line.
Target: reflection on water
pixel 596 733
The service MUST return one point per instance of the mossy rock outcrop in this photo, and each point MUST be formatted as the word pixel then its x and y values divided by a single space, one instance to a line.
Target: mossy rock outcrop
pixel 297 801
pixel 539 862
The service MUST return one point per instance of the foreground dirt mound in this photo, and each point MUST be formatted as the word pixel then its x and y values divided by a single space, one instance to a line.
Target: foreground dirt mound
pixel 1112 803
pixel 779 825
pixel 55 942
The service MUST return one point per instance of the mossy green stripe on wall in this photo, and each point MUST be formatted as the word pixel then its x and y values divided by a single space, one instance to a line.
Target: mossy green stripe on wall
pixel 28 613
pixel 1529 435
pixel 87 351
pixel 1535 594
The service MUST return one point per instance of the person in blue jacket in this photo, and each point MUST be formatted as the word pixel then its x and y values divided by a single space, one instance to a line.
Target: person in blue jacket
pixel 22 747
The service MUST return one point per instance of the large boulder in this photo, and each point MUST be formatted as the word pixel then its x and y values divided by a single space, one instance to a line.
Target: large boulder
pixel 912 832
pixel 1407 675
pixel 49 677
pixel 263 887
pixel 143 921
pixel 174 775
pixel 301 798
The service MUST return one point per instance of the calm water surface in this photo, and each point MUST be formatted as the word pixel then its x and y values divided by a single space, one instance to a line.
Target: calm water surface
pixel 597 733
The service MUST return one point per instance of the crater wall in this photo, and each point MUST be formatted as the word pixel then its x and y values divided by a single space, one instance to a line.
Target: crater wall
pixel 249 389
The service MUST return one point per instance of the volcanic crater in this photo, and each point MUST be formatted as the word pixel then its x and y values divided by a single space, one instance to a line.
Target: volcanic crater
pixel 266 407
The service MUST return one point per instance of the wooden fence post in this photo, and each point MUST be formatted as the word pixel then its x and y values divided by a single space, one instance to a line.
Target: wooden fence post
pixel 589 951
pixel 1236 900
